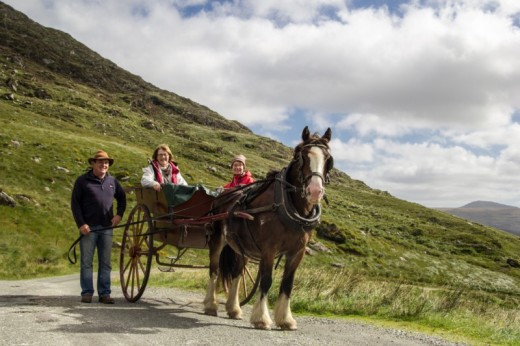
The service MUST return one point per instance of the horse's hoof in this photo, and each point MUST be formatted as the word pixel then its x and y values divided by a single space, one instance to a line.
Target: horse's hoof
pixel 210 312
pixel 288 327
pixel 235 315
pixel 261 325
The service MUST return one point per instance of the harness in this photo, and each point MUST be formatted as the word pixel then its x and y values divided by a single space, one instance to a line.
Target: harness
pixel 286 211
pixel 283 206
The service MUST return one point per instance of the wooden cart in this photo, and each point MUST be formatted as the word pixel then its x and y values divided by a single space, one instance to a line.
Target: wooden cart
pixel 153 224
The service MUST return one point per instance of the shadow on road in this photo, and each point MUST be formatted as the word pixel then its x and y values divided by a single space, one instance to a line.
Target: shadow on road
pixel 143 317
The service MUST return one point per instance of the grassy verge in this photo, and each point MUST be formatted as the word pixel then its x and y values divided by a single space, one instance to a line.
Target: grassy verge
pixel 463 315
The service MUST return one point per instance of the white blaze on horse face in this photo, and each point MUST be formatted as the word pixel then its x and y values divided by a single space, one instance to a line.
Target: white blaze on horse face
pixel 315 188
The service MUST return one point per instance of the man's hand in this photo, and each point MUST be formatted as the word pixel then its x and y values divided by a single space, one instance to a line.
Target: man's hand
pixel 84 229
pixel 116 220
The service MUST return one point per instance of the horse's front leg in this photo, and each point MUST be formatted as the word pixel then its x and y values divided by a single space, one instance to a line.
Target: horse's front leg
pixel 260 318
pixel 210 300
pixel 282 310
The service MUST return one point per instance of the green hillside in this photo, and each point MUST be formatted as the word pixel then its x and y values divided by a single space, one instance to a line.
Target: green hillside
pixel 60 101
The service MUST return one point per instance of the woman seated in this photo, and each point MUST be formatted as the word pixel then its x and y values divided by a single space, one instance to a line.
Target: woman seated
pixel 161 170
pixel 241 176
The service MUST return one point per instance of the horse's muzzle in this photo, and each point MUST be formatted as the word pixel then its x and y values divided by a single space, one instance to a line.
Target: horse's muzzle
pixel 314 191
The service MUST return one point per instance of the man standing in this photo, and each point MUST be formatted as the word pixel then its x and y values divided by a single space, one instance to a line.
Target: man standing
pixel 92 208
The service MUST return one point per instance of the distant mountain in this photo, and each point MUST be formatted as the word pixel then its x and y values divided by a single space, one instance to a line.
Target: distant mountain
pixel 500 216
pixel 487 205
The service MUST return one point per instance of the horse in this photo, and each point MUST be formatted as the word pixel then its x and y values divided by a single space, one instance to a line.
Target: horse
pixel 284 209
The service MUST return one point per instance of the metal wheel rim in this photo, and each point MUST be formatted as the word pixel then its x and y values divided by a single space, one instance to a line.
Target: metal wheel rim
pixel 136 253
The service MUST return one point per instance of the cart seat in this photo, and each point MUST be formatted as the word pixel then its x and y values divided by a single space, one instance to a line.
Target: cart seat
pixel 183 201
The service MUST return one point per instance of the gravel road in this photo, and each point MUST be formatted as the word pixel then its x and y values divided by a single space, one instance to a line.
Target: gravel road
pixel 48 312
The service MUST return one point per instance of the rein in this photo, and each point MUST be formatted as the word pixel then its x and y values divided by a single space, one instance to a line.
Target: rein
pixel 286 211
pixel 282 205
pixel 72 248
pixel 299 159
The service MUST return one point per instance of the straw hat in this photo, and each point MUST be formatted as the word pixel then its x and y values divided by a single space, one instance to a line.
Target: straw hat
pixel 101 155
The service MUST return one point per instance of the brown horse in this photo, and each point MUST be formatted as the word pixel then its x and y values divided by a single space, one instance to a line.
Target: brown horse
pixel 286 207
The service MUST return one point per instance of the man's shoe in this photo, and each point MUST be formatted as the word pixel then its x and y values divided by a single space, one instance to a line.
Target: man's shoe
pixel 87 298
pixel 106 300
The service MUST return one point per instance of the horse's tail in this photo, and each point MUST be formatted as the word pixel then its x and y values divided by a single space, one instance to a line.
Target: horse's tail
pixel 230 265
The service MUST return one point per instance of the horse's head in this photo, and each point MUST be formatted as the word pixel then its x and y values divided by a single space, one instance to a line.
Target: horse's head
pixel 313 160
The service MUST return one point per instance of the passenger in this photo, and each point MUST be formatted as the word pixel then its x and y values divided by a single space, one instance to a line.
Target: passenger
pixel 241 176
pixel 161 170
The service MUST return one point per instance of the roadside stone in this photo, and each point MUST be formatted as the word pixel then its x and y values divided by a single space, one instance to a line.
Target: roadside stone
pixel 331 232
pixel 7 200
pixel 317 246
pixel 513 263
pixel 27 200
pixel 62 169
pixel 309 251
pixel 12 84
pixel 42 94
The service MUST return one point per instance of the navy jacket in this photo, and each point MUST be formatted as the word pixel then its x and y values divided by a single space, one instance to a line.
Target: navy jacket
pixel 92 200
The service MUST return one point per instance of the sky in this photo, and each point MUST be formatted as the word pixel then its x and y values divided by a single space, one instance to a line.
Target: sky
pixel 422 96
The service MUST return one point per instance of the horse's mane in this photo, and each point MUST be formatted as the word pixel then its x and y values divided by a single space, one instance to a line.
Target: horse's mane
pixel 271 174
pixel 314 139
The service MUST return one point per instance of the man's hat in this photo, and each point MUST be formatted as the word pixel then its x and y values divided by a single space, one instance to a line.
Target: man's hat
pixel 101 155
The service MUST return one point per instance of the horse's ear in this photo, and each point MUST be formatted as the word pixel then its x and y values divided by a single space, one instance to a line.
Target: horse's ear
pixel 306 134
pixel 328 134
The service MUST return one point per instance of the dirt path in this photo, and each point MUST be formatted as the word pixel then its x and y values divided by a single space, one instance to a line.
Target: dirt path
pixel 48 312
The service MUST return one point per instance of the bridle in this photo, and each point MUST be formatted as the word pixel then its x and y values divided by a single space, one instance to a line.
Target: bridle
pixel 283 205
pixel 302 178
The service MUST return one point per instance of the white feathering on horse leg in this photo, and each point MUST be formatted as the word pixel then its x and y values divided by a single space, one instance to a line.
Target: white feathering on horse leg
pixel 233 304
pixel 210 301
pixel 260 318
pixel 282 313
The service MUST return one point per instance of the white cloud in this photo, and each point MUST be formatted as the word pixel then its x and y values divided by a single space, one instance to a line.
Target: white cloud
pixel 352 151
pixel 433 175
pixel 439 66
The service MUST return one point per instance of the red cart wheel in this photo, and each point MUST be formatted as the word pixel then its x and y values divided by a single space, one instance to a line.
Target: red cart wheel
pixel 249 282
pixel 136 253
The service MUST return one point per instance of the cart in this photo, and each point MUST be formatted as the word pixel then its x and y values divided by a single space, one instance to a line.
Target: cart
pixel 154 224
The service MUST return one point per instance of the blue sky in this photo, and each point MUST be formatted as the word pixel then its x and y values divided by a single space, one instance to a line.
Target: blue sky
pixel 423 97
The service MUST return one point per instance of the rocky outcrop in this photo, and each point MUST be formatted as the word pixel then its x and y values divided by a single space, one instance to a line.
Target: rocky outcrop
pixel 7 200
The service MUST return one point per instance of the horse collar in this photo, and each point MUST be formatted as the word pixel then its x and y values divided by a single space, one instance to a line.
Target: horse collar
pixel 287 212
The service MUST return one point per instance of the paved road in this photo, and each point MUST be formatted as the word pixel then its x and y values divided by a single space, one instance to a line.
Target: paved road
pixel 48 312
